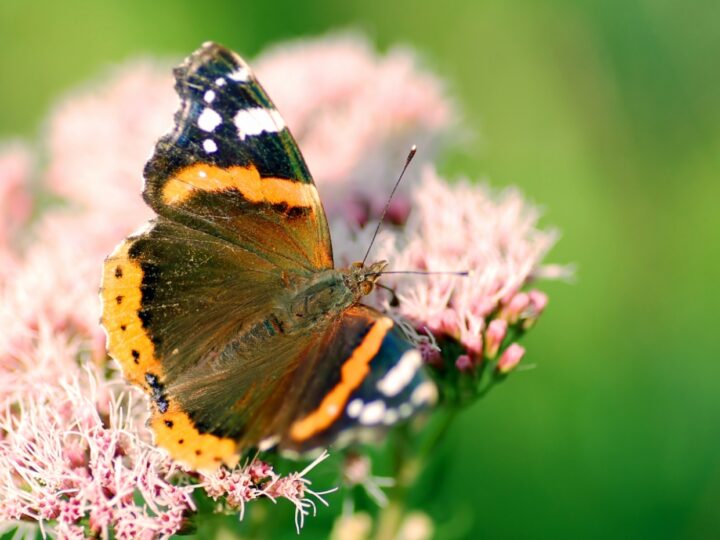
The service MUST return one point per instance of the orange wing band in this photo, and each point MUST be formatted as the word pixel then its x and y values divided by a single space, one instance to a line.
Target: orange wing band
pixel 246 180
pixel 353 372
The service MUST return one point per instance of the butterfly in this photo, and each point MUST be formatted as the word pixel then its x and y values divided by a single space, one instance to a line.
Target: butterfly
pixel 227 308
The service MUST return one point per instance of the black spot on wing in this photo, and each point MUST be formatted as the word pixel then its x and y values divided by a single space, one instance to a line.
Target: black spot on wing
pixel 157 392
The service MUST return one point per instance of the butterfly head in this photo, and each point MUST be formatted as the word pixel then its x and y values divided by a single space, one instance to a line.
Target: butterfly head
pixel 361 279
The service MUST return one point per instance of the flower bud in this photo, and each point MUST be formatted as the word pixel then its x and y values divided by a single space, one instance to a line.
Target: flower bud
pixel 398 210
pixel 464 363
pixel 538 301
pixel 494 336
pixel 517 305
pixel 430 355
pixel 510 358
pixel 474 345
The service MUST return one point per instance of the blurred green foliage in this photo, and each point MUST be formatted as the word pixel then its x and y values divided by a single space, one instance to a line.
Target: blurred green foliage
pixel 607 113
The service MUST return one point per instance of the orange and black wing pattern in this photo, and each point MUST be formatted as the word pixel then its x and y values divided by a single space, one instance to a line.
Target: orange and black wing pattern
pixel 202 308
pixel 239 222
pixel 174 301
pixel 231 168
pixel 362 378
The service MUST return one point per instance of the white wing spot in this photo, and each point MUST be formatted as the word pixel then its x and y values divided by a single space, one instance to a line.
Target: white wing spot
pixel 425 393
pixel 209 120
pixel 354 408
pixel 258 120
pixel 209 96
pixel 240 75
pixel 391 416
pixel 372 413
pixel 210 146
pixel 405 410
pixel 401 373
pixel 220 81
pixel 268 442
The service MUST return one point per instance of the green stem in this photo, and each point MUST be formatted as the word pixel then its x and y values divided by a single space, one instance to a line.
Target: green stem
pixel 408 465
pixel 407 470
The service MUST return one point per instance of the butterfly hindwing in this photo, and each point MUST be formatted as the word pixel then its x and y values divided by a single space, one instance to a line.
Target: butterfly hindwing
pixel 364 377
pixel 230 166
pixel 175 301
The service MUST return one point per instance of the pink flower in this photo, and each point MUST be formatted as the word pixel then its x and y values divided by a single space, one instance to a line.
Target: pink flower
pixel 258 479
pixel 510 358
pixel 99 140
pixel 458 228
pixel 296 488
pixel 464 363
pixel 74 449
pixel 355 115
pixel 357 471
pixel 15 201
pixel 494 336
pixel 60 417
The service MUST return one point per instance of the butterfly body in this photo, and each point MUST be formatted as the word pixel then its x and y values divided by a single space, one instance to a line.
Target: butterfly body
pixel 227 309
pixel 309 305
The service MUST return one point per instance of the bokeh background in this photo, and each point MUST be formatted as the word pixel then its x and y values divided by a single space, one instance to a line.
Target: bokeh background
pixel 605 112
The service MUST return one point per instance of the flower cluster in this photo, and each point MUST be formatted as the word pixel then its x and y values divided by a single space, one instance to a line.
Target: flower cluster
pixel 495 239
pixel 355 115
pixel 480 250
pixel 258 479
pixel 72 461
pixel 75 455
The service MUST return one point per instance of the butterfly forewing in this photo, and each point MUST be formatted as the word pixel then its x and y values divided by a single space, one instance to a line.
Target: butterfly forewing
pixel 230 166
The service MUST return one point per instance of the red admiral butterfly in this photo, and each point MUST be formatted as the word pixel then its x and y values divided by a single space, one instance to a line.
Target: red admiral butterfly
pixel 227 308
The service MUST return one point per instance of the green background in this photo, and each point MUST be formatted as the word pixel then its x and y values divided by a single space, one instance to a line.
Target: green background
pixel 607 113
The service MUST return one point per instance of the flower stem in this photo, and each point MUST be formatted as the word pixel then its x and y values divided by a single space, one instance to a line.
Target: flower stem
pixel 408 468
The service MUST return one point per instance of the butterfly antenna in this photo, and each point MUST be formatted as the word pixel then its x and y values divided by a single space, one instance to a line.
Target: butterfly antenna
pixel 463 273
pixel 409 158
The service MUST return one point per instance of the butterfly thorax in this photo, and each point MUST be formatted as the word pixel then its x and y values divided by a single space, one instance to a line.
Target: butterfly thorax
pixel 328 293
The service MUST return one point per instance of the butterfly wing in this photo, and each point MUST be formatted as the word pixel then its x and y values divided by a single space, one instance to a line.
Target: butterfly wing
pixel 363 377
pixel 240 222
pixel 231 168
pixel 175 301
pixel 189 304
